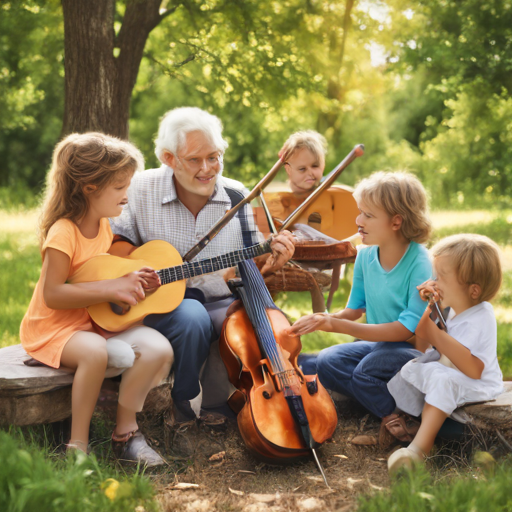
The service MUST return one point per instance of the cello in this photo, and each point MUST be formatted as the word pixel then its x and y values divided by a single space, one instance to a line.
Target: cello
pixel 282 414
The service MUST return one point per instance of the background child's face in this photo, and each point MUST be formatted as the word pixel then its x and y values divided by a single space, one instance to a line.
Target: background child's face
pixel 374 224
pixel 451 291
pixel 304 170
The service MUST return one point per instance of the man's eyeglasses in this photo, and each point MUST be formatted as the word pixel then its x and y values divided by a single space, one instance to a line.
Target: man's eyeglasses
pixel 196 163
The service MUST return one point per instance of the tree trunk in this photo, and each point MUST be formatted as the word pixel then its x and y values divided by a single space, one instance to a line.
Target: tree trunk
pixel 98 85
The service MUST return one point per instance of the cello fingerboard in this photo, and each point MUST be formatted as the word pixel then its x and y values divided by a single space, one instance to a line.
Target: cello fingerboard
pixel 209 265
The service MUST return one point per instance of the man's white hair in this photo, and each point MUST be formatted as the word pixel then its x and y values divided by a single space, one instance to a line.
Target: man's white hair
pixel 177 123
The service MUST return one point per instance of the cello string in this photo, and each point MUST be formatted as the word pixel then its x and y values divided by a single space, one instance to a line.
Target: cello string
pixel 258 314
pixel 262 300
pixel 262 296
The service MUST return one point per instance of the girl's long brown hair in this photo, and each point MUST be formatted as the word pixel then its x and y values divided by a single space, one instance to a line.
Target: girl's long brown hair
pixel 79 160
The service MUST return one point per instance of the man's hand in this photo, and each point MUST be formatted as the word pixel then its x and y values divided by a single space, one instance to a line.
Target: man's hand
pixel 283 247
pixel 310 323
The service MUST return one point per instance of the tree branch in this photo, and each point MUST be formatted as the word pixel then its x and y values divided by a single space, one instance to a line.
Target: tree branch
pixel 168 12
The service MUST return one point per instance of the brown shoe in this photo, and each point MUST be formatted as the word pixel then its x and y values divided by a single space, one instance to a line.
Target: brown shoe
pixel 132 447
pixel 400 426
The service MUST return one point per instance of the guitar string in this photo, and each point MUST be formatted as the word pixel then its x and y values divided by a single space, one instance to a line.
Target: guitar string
pixel 191 269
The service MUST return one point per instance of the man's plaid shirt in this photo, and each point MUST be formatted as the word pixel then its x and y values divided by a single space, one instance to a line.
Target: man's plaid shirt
pixel 154 212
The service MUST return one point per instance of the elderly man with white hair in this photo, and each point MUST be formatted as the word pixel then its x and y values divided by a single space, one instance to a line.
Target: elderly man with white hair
pixel 179 203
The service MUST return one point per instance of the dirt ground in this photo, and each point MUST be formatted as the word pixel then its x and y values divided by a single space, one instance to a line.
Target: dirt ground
pixel 224 476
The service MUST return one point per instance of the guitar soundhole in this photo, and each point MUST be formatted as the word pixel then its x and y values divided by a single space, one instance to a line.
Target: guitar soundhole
pixel 315 220
pixel 118 310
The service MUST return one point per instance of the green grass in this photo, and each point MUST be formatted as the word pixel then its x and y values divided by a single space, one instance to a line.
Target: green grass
pixel 20 266
pixel 419 491
pixel 499 229
pixel 32 478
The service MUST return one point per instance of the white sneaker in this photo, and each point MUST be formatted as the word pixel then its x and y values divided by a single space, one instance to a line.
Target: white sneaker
pixel 404 458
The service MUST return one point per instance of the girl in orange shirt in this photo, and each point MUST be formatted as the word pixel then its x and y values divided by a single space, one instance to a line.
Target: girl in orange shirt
pixel 87 184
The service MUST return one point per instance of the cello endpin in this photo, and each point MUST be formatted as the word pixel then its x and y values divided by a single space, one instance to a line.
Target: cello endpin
pixel 320 468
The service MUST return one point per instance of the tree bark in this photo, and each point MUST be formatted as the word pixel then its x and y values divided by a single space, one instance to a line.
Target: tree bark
pixel 98 85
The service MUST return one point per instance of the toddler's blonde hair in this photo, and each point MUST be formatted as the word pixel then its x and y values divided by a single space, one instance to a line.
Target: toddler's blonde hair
pixel 476 259
pixel 399 193
pixel 307 139
pixel 83 159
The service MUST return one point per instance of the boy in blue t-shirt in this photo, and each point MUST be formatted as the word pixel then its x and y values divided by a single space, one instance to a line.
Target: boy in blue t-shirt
pixel 393 222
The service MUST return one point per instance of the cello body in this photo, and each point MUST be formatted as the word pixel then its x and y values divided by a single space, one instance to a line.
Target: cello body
pixel 266 418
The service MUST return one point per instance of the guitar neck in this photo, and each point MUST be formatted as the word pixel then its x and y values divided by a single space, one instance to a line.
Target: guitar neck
pixel 209 265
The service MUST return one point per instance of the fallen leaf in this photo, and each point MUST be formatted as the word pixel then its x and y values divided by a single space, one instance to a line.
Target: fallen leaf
pixel 376 487
pixel 311 504
pixel 315 478
pixel 238 493
pixel 217 456
pixel 264 498
pixel 184 486
pixel 364 440
pixel 352 481
pixel 341 456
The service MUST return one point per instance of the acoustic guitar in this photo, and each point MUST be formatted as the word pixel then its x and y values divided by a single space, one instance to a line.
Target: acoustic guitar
pixel 158 255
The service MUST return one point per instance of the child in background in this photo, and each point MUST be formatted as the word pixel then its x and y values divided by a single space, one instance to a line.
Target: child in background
pixel 468 275
pixel 393 222
pixel 87 184
pixel 304 160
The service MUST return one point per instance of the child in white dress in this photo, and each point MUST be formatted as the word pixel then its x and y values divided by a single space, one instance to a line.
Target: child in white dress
pixel 463 367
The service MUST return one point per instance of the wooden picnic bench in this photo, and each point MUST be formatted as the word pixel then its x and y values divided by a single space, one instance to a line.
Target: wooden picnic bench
pixel 32 395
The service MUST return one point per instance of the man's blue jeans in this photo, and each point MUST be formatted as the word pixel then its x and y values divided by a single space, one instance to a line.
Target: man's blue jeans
pixel 190 332
pixel 362 369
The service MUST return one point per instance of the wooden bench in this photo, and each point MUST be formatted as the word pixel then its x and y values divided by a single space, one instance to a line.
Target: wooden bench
pixel 32 395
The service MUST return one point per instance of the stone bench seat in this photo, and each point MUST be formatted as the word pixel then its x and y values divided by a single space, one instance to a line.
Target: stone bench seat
pixel 31 395
pixel 34 394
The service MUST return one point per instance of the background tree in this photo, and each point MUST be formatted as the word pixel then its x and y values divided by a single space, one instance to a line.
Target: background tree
pixel 425 84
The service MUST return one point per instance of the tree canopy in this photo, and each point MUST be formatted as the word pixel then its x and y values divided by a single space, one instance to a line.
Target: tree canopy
pixel 424 84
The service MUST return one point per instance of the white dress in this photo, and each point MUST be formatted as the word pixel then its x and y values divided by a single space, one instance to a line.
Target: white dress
pixel 425 379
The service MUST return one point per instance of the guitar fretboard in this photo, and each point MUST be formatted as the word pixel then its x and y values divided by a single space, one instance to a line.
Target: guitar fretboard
pixel 209 265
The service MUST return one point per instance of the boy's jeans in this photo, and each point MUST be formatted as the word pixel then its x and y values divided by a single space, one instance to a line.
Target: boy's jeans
pixel 361 370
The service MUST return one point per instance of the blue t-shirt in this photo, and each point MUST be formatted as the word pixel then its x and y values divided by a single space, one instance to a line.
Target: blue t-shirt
pixel 390 296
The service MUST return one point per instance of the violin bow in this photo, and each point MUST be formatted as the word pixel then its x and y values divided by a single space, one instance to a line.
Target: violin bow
pixel 358 150
pixel 255 192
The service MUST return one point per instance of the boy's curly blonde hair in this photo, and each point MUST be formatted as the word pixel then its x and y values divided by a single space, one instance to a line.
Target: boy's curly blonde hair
pixel 476 259
pixel 399 193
